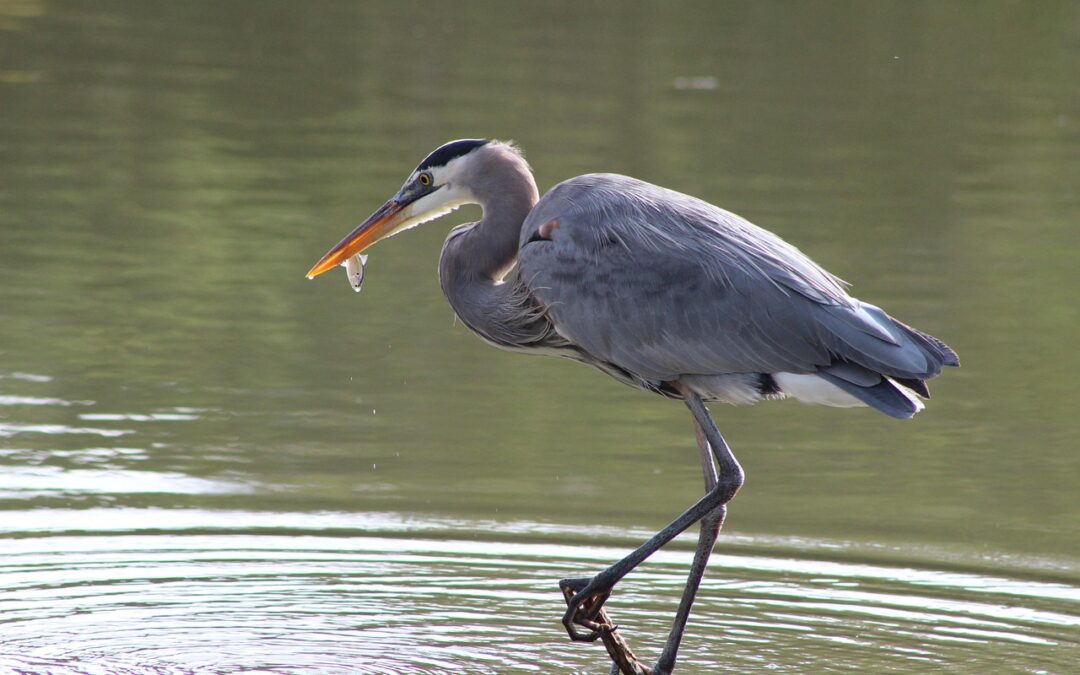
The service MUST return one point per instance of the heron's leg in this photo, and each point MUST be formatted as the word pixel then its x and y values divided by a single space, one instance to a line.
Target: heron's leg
pixel 597 589
pixel 711 523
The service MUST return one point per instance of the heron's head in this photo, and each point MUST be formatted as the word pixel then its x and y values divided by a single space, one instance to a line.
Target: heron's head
pixel 437 186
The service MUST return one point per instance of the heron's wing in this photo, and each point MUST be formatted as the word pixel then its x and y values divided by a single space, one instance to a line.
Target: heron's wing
pixel 663 284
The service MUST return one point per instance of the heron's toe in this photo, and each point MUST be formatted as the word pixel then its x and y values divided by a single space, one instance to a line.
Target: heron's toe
pixel 584 604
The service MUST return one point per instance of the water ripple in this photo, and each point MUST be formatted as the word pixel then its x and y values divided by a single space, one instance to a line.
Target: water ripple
pixel 34 400
pixel 280 592
pixel 7 429
pixel 36 480
pixel 138 417
pixel 26 377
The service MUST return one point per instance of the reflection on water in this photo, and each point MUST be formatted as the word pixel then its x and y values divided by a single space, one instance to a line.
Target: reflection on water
pixel 14 429
pixel 275 595
pixel 55 479
pixel 209 463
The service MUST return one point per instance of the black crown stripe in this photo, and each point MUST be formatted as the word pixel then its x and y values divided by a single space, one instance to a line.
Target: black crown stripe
pixel 452 150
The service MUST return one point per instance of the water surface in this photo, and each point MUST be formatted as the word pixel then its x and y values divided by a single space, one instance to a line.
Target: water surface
pixel 208 463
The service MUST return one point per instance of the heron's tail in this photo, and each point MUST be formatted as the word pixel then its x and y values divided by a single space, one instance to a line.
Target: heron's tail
pixel 885 395
pixel 865 335
pixel 883 362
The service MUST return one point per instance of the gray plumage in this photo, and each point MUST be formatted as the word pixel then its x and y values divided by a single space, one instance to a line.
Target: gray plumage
pixel 653 286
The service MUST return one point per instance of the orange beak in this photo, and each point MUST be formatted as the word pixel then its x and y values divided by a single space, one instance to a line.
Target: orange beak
pixel 367 233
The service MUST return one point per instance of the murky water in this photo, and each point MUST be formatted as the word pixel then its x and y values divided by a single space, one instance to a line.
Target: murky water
pixel 209 464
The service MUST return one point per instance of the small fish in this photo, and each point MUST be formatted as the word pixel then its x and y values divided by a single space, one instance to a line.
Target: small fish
pixel 354 270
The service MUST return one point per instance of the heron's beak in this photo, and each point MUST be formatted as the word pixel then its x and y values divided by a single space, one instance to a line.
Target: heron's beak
pixel 377 226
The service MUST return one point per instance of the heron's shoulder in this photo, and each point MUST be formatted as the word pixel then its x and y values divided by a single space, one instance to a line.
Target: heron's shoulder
pixel 602 200
pixel 599 188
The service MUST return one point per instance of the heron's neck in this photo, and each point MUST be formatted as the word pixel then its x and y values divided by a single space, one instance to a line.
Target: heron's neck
pixel 476 257
pixel 506 190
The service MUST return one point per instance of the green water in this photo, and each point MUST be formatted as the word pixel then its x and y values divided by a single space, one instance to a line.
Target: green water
pixel 210 464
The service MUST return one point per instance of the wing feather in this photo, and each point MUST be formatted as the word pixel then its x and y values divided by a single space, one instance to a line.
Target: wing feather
pixel 663 284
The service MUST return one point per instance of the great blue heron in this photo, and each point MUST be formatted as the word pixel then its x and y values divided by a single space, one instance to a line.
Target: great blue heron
pixel 663 292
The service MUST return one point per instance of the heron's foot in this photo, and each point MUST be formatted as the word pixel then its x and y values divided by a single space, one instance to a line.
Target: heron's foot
pixel 585 600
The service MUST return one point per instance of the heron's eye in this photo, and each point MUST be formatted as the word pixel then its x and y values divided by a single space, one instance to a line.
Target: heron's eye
pixel 425 179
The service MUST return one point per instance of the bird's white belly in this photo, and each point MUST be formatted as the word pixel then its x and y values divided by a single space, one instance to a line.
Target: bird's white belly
pixel 813 389
pixel 744 389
